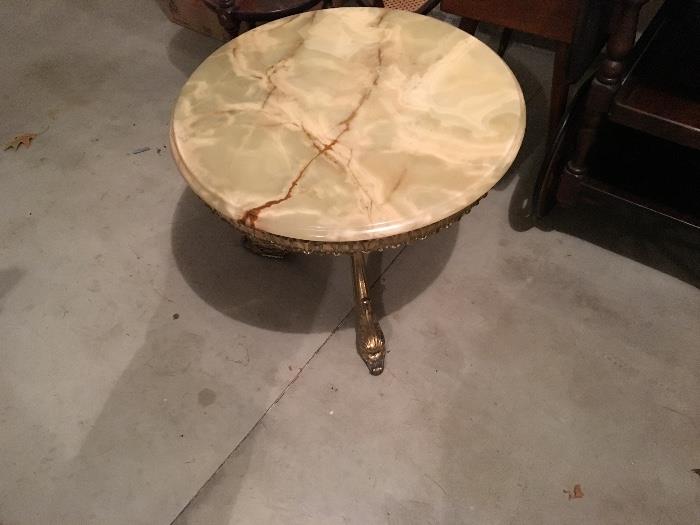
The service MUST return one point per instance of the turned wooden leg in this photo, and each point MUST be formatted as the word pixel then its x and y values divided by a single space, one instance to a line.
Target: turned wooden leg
pixel 369 336
pixel 224 10
pixel 469 25
pixel 231 25
pixel 607 81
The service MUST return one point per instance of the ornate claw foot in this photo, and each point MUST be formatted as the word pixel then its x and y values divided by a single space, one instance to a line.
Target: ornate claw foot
pixel 264 249
pixel 370 339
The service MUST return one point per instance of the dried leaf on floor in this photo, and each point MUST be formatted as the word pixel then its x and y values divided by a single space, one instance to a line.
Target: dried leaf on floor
pixel 25 139
pixel 576 493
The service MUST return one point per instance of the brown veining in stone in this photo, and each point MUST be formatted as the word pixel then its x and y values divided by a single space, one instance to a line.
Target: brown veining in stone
pixel 251 216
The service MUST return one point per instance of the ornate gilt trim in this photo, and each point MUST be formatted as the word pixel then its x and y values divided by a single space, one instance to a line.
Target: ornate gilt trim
pixel 349 247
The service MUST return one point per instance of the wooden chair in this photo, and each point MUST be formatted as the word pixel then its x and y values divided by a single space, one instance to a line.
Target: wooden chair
pixel 415 6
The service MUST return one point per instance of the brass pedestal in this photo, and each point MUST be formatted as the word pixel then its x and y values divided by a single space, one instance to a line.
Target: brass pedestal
pixel 369 337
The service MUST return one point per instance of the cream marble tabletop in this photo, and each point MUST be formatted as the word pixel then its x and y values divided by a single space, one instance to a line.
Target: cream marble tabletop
pixel 347 124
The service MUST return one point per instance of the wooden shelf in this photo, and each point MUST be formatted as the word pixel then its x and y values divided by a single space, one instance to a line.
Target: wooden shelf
pixel 646 171
pixel 661 93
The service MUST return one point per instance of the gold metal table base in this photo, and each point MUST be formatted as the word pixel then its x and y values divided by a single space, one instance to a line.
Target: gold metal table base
pixel 368 333
pixel 369 337
pixel 264 249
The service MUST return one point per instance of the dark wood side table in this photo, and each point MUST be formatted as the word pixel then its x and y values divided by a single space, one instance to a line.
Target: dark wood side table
pixel 634 133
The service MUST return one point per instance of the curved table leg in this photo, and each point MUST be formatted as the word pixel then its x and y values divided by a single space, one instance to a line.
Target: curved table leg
pixel 369 336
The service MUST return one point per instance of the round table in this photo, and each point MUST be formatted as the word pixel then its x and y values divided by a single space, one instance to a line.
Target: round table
pixel 345 131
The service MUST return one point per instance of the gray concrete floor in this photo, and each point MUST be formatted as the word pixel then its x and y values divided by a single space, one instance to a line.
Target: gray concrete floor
pixel 524 359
